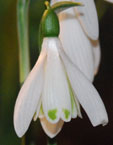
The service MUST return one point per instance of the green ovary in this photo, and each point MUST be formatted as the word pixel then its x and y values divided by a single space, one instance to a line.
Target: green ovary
pixel 52 114
pixel 67 113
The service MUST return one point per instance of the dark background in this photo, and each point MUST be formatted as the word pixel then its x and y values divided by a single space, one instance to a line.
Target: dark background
pixel 78 131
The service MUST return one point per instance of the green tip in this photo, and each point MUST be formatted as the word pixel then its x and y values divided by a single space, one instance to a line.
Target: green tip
pixel 47 4
pixel 67 113
pixel 52 114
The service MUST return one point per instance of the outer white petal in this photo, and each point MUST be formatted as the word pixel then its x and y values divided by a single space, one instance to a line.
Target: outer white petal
pixel 51 129
pixel 97 55
pixel 74 105
pixel 88 18
pixel 111 1
pixel 55 97
pixel 28 97
pixel 74 112
pixel 86 94
pixel 75 43
pixel 37 112
pixel 78 107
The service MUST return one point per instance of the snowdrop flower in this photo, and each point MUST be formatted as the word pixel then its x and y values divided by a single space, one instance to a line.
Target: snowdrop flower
pixel 79 36
pixel 55 88
pixel 48 85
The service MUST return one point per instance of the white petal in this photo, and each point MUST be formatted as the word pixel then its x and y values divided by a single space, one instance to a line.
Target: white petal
pixel 97 55
pixel 51 129
pixel 37 113
pixel 86 94
pixel 78 107
pixel 75 43
pixel 88 18
pixel 111 1
pixel 28 97
pixel 73 104
pixel 55 98
pixel 74 112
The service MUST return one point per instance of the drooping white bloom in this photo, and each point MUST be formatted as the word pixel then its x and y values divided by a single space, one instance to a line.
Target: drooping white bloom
pixel 79 36
pixel 57 86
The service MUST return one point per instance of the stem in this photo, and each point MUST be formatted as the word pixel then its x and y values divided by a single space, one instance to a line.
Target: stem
pixel 23 140
pixel 52 141
pixel 22 21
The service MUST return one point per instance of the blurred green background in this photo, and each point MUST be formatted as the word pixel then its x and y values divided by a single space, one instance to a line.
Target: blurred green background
pixel 78 132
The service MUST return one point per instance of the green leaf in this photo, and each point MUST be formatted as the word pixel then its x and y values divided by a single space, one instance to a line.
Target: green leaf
pixel 61 6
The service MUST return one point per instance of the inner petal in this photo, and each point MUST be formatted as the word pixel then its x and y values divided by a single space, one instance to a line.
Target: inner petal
pixel 55 97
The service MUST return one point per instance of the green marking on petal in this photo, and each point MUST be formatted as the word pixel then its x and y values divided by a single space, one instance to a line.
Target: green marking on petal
pixel 67 113
pixel 52 114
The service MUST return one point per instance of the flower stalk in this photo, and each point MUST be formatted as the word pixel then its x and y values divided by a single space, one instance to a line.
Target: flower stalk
pixel 52 141
pixel 23 140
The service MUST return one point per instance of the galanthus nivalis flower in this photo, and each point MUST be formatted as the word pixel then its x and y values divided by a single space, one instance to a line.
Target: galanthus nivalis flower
pixel 55 87
pixel 79 36
pixel 59 87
